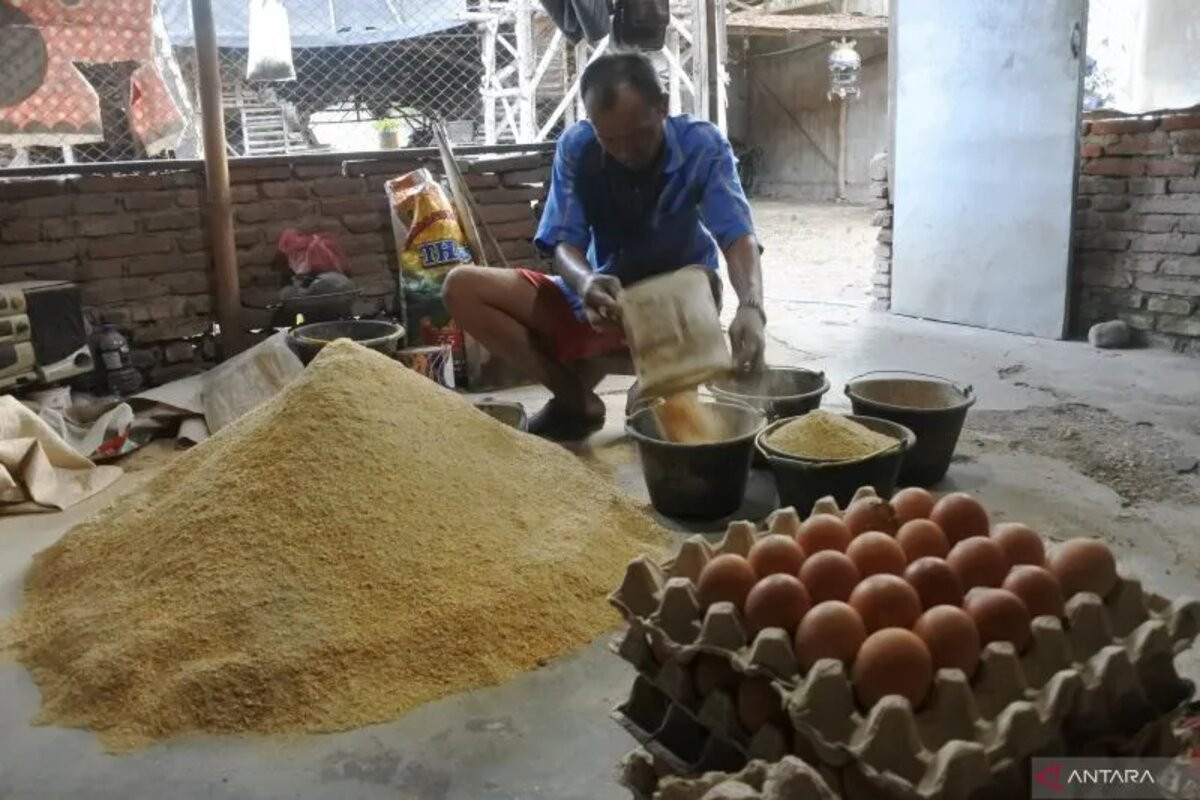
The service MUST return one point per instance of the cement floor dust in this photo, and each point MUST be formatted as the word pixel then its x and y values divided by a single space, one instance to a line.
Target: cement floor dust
pixel 547 734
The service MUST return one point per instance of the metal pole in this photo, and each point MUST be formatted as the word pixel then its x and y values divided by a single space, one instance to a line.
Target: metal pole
pixel 216 173
pixel 676 95
pixel 701 44
pixel 712 53
pixel 843 113
pixel 526 102
pixel 490 31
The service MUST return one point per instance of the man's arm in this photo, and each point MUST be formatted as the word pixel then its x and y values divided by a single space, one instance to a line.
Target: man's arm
pixel 601 293
pixel 726 213
pixel 564 229
pixel 745 270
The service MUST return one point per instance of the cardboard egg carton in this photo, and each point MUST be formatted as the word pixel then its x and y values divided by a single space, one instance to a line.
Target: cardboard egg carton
pixel 788 779
pixel 700 739
pixel 1109 674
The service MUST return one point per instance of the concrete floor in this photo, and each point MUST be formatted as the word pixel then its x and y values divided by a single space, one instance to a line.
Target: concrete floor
pixel 547 734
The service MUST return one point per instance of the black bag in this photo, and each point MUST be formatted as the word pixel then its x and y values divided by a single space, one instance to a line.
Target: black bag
pixel 580 19
pixel 641 23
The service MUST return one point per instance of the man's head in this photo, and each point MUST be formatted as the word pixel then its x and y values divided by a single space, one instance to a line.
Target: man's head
pixel 627 106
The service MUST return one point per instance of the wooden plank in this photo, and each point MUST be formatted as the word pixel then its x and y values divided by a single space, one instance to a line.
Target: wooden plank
pixel 792 6
pixel 748 24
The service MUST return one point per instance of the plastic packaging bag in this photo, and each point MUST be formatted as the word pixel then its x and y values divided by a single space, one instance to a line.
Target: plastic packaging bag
pixel 433 241
pixel 430 242
pixel 311 253
pixel 270 45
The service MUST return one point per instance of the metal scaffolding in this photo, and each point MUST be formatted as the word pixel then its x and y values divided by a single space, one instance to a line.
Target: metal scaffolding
pixel 531 72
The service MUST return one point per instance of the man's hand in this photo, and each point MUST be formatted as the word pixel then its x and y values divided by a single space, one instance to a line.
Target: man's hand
pixel 748 338
pixel 602 300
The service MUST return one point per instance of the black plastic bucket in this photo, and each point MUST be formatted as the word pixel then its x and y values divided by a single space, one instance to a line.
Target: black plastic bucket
pixel 934 408
pixel 802 482
pixel 697 481
pixel 379 335
pixel 777 391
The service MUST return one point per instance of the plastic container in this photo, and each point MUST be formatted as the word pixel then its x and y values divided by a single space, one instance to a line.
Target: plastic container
pixel 777 391
pixel 307 340
pixel 932 407
pixel 697 481
pixel 511 414
pixel 802 482
pixel 674 332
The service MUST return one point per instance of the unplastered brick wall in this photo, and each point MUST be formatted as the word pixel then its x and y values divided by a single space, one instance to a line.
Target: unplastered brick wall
pixel 138 245
pixel 347 199
pixel 881 203
pixel 1137 227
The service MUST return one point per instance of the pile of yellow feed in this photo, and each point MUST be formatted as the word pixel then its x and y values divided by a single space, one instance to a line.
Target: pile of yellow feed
pixel 363 543
pixel 823 435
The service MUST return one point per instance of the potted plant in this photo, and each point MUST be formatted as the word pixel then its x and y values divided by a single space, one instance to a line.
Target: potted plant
pixel 389 133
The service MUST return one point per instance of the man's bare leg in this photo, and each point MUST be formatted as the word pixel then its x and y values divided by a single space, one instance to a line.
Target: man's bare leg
pixel 496 306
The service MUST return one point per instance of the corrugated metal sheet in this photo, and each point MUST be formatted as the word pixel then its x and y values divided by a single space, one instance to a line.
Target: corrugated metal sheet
pixel 324 23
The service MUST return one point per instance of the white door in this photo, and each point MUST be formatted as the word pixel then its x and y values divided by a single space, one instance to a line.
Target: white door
pixel 986 115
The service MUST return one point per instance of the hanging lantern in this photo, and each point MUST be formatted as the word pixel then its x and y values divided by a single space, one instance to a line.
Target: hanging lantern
pixel 845 64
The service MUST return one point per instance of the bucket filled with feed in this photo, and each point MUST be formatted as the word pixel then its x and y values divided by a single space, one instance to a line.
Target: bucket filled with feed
pixel 933 408
pixel 695 454
pixel 821 454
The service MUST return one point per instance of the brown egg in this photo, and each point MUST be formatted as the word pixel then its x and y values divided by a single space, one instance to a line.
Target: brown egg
pixel 775 554
pixel 920 537
pixel 777 601
pixel 870 514
pixel 713 673
pixel 935 582
pixel 952 638
pixel 831 630
pixel 757 703
pixel 960 516
pixel 999 615
pixel 876 553
pixel 1038 589
pixel 829 575
pixel 892 661
pixel 823 532
pixel 1084 565
pixel 978 562
pixel 1020 543
pixel 727 578
pixel 885 601
pixel 912 503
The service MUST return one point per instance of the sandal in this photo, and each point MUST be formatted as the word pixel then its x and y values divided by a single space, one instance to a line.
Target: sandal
pixel 560 423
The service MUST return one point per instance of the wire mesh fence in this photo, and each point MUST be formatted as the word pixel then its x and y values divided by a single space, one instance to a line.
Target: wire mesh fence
pixel 115 80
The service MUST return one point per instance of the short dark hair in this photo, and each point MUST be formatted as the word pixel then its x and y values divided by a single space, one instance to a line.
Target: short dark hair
pixel 609 72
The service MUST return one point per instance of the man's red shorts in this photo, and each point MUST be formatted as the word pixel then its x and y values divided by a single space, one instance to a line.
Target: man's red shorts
pixel 571 339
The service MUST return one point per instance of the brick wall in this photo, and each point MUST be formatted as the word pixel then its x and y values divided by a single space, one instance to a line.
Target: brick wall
pixel 1137 227
pixel 881 271
pixel 138 245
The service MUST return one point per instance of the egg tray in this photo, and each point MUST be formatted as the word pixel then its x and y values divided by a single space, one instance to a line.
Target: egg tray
pixel 788 779
pixel 679 741
pixel 1109 673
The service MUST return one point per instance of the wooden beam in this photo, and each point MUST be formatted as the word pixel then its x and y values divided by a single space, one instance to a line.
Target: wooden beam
pixel 832 25
pixel 792 6
pixel 216 175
